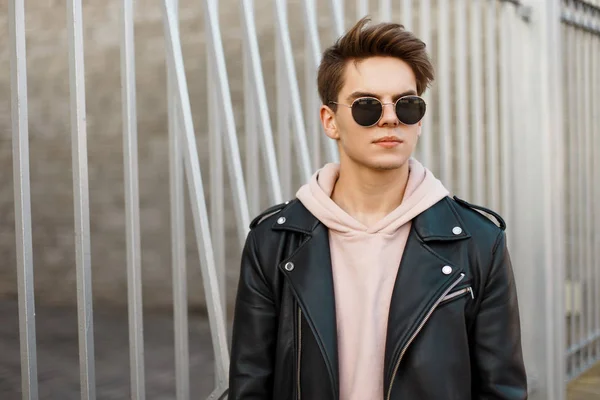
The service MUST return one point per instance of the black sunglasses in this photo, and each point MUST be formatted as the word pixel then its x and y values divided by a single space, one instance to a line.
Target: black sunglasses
pixel 367 111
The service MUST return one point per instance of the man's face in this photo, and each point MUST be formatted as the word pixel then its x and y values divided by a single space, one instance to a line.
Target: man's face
pixel 386 79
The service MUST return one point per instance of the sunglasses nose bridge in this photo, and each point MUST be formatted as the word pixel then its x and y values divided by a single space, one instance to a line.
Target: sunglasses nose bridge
pixel 390 113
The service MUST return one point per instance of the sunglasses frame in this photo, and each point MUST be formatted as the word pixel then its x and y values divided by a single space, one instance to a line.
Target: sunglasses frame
pixel 383 105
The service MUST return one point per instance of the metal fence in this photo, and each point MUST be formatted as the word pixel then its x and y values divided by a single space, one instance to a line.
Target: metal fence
pixel 514 120
pixel 581 32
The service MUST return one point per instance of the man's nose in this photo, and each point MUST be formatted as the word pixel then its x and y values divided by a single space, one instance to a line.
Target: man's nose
pixel 389 116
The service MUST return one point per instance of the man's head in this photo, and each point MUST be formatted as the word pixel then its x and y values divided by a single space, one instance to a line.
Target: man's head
pixel 382 62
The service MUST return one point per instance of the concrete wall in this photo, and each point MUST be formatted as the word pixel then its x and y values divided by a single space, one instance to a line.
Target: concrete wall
pixel 50 142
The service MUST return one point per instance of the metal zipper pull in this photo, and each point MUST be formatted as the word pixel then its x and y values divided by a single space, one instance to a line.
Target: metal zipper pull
pixel 470 290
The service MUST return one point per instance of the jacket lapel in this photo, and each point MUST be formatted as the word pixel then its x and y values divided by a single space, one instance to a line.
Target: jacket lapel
pixel 421 280
pixel 311 280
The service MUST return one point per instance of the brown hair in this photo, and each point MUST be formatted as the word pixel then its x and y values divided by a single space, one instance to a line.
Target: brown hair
pixel 359 43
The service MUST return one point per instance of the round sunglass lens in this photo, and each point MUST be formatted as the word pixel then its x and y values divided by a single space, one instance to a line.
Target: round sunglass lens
pixel 410 110
pixel 366 111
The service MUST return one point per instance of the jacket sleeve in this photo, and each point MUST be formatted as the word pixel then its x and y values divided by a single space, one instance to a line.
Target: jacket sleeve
pixel 499 371
pixel 254 332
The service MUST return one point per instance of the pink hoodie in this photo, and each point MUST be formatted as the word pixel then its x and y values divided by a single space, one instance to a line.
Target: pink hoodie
pixel 365 261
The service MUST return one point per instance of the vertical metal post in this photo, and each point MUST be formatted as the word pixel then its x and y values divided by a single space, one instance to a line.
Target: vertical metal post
pixel 362 8
pixel 581 217
pixel 588 210
pixel 217 182
pixel 313 123
pixel 178 242
pixel 132 204
pixel 385 10
pixel 542 185
pixel 445 130
pixel 310 21
pixel 426 146
pixel 463 187
pixel 234 163
pixel 407 14
pixel 251 133
pixel 571 86
pixel 22 193
pixel 491 86
pixel 284 134
pixel 477 150
pixel 301 144
pixel 596 186
pixel 197 200
pixel 268 147
pixel 81 201
pixel 337 14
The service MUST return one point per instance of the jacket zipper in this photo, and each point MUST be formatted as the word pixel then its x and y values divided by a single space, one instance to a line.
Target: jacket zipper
pixel 458 293
pixel 418 330
pixel 299 348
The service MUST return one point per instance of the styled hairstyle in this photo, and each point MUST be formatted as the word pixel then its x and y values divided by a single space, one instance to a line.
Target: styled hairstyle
pixel 360 43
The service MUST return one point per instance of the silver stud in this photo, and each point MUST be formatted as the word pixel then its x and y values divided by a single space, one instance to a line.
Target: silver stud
pixel 281 220
pixel 287 202
pixel 289 266
pixel 447 270
pixel 457 230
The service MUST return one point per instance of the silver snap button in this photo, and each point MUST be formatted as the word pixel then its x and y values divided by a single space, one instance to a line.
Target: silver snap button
pixel 447 270
pixel 457 230
pixel 281 220
pixel 287 202
pixel 289 266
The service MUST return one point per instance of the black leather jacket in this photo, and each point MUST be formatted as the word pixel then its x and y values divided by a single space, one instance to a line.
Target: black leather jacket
pixel 453 333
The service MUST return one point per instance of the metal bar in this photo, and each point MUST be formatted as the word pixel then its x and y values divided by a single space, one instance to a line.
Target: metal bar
pixel 385 10
pixel 580 176
pixel 587 158
pixel 313 122
pixel 426 147
pixel 596 184
pixel 301 144
pixel 234 163
pixel 283 122
pixel 217 182
pixel 22 193
pixel 337 14
pixel 81 201
pixel 583 344
pixel 132 205
pixel 461 93
pixel 445 118
pixel 251 44
pixel 178 241
pixel 477 150
pixel 570 58
pixel 362 8
pixel 310 21
pixel 252 145
pixel 407 14
pixel 492 107
pixel 197 200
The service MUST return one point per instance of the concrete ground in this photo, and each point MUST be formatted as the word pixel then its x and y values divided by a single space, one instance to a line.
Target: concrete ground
pixel 586 387
pixel 58 359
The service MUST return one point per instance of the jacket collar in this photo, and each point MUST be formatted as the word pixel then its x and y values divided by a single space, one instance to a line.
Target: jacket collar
pixel 439 222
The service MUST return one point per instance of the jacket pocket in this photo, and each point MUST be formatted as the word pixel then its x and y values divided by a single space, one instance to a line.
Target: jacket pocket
pixel 457 294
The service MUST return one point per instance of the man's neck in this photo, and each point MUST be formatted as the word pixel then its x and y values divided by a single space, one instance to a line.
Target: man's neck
pixel 368 195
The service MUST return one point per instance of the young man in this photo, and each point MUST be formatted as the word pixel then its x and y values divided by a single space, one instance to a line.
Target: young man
pixel 373 283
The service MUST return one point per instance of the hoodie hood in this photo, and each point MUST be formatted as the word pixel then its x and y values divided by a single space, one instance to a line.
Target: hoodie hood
pixel 423 190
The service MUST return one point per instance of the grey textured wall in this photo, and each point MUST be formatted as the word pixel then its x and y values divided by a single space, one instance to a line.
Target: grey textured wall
pixel 50 142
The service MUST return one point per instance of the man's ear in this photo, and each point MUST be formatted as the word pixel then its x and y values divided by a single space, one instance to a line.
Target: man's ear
pixel 329 123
